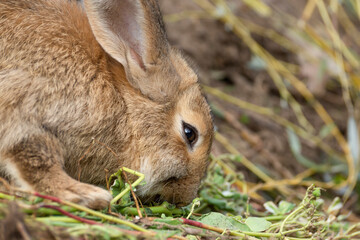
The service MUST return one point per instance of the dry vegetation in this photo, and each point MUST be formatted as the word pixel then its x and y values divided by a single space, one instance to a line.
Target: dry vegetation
pixel 282 78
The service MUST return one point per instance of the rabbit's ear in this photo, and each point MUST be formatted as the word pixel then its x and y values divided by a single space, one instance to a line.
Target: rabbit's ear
pixel 131 31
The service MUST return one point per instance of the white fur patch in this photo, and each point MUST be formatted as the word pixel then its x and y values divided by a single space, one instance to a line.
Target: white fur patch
pixel 146 168
pixel 152 186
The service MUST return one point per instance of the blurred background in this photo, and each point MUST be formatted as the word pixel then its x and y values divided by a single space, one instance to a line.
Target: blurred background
pixel 282 78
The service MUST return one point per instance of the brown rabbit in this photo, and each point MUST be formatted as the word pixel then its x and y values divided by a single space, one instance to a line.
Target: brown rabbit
pixel 103 70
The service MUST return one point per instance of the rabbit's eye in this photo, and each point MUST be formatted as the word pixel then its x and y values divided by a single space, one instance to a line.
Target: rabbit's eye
pixel 190 133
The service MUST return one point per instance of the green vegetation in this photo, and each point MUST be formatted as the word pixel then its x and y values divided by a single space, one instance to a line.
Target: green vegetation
pixel 220 211
pixel 229 205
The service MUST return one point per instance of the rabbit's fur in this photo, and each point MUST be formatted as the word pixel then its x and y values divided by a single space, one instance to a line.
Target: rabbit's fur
pixel 103 70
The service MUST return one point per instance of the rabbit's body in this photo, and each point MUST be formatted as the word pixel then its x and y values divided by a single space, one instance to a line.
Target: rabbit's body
pixel 76 101
pixel 60 88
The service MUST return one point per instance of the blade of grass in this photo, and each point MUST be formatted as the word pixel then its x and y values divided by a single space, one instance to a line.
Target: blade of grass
pixel 342 49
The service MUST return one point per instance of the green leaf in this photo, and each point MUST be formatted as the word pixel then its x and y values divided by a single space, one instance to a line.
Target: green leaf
pixel 257 224
pixel 218 179
pixel 219 203
pixel 115 188
pixel 191 237
pixel 316 192
pixel 216 219
pixel 293 141
pixel 126 199
pixel 335 206
pixel 295 147
pixel 221 221
pixel 285 207
pixel 319 203
pixel 239 225
pixel 271 207
pixel 231 194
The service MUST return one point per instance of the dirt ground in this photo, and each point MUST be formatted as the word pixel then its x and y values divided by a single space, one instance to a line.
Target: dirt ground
pixel 223 62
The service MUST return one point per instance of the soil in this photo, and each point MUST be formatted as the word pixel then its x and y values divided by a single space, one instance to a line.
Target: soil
pixel 223 62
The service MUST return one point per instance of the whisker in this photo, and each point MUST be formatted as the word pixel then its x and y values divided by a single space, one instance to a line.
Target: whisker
pixel 148 199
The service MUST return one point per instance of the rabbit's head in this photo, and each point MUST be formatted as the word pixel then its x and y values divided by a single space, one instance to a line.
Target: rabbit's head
pixel 169 118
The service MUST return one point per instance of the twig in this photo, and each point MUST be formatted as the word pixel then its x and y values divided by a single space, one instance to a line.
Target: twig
pixel 142 206
pixel 133 194
pixel 107 179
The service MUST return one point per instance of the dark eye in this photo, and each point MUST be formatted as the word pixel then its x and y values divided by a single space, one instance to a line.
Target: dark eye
pixel 190 133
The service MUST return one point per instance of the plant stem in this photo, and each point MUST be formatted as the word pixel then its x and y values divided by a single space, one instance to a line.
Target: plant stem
pixel 92 212
pixel 127 189
pixel 157 210
pixel 6 196
pixel 70 215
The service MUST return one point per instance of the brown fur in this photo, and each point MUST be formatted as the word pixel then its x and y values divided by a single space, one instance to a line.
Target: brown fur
pixel 61 86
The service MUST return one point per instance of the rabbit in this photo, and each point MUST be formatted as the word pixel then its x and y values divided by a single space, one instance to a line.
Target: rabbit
pixel 89 87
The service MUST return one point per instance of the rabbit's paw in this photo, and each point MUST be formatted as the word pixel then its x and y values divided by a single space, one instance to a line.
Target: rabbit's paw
pixel 87 195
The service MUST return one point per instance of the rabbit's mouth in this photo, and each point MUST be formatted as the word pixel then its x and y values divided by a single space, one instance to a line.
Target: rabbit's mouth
pixel 158 198
pixel 173 190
